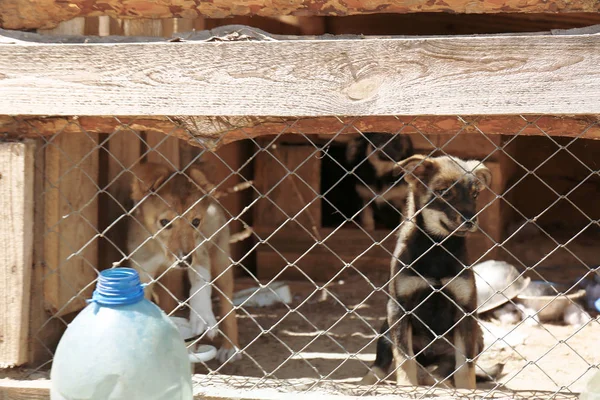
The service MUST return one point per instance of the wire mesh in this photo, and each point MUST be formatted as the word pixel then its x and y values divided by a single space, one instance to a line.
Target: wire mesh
pixel 321 213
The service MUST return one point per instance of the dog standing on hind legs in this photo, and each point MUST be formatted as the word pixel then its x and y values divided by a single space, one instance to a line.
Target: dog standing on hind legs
pixel 175 223
pixel 433 296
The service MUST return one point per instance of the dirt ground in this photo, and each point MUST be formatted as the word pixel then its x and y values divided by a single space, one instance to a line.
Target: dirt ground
pixel 330 335
pixel 317 337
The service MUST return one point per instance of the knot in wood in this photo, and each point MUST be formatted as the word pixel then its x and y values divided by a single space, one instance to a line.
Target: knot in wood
pixel 363 89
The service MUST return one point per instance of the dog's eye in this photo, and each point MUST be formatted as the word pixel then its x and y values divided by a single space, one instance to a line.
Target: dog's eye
pixel 441 192
pixel 196 222
pixel 164 222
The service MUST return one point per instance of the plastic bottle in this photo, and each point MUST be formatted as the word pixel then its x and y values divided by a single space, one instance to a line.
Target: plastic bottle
pixel 592 388
pixel 121 347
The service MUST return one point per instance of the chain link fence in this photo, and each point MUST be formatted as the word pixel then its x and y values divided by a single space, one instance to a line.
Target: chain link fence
pixel 307 222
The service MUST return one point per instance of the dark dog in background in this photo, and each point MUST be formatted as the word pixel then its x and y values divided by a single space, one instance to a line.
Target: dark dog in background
pixel 431 332
pixel 373 157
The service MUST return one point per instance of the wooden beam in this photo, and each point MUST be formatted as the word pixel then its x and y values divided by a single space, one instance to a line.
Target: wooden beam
pixel 44 331
pixel 216 132
pixel 16 250
pixel 230 387
pixel 529 74
pixel 12 389
pixel 15 14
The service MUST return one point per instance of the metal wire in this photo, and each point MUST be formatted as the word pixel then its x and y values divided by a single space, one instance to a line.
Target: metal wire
pixel 288 176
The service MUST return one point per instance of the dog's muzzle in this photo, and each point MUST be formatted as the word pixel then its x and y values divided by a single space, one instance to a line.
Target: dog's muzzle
pixel 183 260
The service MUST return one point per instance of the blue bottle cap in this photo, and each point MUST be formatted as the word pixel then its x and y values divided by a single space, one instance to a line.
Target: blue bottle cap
pixel 597 304
pixel 117 287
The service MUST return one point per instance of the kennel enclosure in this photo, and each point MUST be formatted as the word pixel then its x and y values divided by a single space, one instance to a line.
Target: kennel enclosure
pixel 77 116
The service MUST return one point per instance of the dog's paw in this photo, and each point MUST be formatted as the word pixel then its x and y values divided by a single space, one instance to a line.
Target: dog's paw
pixel 200 324
pixel 374 376
pixel 197 324
pixel 228 355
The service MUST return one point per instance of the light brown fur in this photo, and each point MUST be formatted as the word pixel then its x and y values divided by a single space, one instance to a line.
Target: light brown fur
pixel 176 224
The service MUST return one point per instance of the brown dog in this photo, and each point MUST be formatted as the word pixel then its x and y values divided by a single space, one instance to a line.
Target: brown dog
pixel 432 294
pixel 176 224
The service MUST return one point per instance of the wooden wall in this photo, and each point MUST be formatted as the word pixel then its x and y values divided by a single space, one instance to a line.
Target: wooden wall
pixel 565 234
pixel 298 241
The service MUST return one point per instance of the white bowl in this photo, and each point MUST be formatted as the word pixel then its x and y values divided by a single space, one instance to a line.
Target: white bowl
pixel 203 353
pixel 276 292
pixel 497 282
pixel 184 327
pixel 548 299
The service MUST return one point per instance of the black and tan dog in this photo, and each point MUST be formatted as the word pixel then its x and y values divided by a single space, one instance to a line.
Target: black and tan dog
pixel 382 195
pixel 432 294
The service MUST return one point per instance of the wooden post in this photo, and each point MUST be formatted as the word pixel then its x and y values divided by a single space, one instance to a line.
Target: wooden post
pixel 44 330
pixel 16 249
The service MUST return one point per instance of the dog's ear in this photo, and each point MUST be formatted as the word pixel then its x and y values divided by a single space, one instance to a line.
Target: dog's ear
pixel 147 178
pixel 416 169
pixel 481 172
pixel 352 147
pixel 200 179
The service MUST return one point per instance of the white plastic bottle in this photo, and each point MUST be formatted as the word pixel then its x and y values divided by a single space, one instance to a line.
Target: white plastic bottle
pixel 121 347
pixel 592 388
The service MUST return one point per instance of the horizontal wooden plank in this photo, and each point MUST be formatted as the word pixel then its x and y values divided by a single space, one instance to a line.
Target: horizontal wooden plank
pixel 229 387
pixel 491 75
pixel 13 389
pixel 15 14
pixel 221 131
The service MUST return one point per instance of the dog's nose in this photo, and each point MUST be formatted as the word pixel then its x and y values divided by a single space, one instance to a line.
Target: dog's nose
pixel 469 220
pixel 469 224
pixel 185 257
